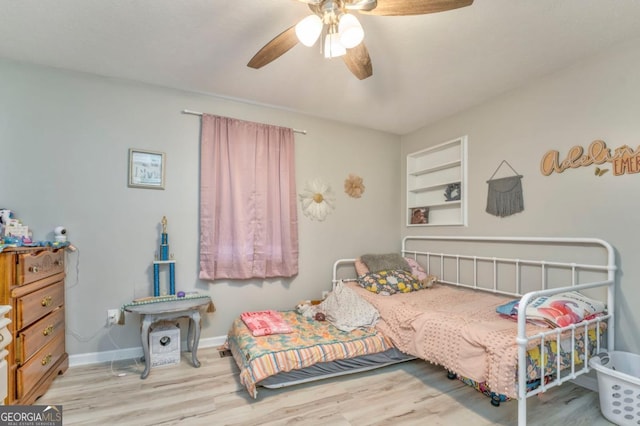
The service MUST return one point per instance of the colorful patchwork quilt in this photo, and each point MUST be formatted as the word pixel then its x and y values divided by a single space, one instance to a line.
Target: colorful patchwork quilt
pixel 310 342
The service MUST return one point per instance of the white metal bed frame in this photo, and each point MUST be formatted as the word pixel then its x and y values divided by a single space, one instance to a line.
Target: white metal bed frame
pixel 608 266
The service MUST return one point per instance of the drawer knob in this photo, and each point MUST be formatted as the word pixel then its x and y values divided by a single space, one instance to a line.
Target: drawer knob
pixel 47 331
pixel 46 360
pixel 33 269
pixel 46 301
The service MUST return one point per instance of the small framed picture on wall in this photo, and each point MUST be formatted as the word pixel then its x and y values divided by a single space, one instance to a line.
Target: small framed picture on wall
pixel 419 215
pixel 146 169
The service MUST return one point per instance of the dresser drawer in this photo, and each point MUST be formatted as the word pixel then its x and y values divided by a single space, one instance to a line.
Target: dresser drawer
pixel 37 367
pixel 33 306
pixel 36 266
pixel 39 334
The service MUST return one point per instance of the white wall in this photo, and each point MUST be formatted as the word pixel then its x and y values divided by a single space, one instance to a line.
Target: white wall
pixel 64 140
pixel 64 148
pixel 596 99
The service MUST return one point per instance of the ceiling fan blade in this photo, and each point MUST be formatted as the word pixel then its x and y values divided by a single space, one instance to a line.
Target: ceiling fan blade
pixel 277 47
pixel 415 7
pixel 359 62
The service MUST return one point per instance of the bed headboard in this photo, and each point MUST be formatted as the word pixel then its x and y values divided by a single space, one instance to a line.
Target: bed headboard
pixel 513 265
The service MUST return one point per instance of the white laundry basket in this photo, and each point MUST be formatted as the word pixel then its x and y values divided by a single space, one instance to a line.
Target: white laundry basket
pixel 619 386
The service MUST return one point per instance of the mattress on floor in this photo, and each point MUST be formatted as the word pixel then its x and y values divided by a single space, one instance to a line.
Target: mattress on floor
pixel 311 343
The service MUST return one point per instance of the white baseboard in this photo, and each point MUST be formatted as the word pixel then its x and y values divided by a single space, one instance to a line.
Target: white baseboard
pixel 131 353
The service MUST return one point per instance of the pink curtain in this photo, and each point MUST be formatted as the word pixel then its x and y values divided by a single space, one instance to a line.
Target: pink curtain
pixel 248 210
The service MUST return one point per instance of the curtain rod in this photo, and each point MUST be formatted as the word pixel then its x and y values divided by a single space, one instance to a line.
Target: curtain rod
pixel 188 111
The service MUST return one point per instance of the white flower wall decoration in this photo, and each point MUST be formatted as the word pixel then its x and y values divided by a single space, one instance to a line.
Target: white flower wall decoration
pixel 317 200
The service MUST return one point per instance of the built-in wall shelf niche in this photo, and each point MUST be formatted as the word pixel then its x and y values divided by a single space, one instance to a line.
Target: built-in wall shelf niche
pixel 437 185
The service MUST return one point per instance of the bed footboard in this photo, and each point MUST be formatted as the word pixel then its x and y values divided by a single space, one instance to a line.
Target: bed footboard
pixel 561 265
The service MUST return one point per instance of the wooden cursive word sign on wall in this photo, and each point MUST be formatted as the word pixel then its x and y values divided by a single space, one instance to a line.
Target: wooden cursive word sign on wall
pixel 623 160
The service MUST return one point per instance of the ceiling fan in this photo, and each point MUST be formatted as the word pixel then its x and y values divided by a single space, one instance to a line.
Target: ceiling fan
pixel 341 31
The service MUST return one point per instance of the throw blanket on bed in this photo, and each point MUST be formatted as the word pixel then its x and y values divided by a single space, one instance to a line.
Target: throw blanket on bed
pixel 348 311
pixel 263 323
pixel 456 328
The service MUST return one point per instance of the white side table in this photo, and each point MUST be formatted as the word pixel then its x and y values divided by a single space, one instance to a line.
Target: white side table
pixel 171 309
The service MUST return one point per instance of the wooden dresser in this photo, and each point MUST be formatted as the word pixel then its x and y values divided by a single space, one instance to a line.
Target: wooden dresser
pixel 32 283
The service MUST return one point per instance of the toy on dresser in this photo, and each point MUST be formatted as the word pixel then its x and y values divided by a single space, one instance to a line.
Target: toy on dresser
pixel 12 231
pixel 5 215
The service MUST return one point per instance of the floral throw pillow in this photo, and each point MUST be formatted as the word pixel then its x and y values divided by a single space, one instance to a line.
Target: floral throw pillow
pixel 389 282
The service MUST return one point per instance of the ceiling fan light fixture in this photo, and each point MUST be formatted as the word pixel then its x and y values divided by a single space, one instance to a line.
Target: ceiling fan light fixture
pixel 350 31
pixel 308 30
pixel 326 23
pixel 332 46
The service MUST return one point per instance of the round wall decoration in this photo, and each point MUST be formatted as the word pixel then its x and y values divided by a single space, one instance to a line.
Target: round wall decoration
pixel 317 200
pixel 353 186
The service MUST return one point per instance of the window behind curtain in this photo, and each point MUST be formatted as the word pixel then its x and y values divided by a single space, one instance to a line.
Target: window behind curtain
pixel 248 211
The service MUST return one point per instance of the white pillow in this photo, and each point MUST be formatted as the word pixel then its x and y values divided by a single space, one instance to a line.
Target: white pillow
pixel 346 310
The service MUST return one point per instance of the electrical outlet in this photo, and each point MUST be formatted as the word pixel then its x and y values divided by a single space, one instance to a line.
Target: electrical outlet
pixel 112 316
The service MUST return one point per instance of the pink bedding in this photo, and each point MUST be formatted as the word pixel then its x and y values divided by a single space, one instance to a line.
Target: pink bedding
pixel 453 327
pixel 264 323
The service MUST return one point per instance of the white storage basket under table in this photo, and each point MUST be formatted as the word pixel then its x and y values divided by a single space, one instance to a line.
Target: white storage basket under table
pixel 619 386
pixel 169 309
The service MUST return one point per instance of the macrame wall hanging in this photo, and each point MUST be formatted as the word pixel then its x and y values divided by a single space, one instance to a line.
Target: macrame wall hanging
pixel 505 194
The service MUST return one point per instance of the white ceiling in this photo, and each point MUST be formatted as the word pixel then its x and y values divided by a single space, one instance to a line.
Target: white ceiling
pixel 425 67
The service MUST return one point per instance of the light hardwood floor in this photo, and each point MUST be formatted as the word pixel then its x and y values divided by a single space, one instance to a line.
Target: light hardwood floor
pixel 411 393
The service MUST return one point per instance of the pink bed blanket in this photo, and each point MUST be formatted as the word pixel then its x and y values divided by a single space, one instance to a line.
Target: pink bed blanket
pixel 263 323
pixel 453 327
